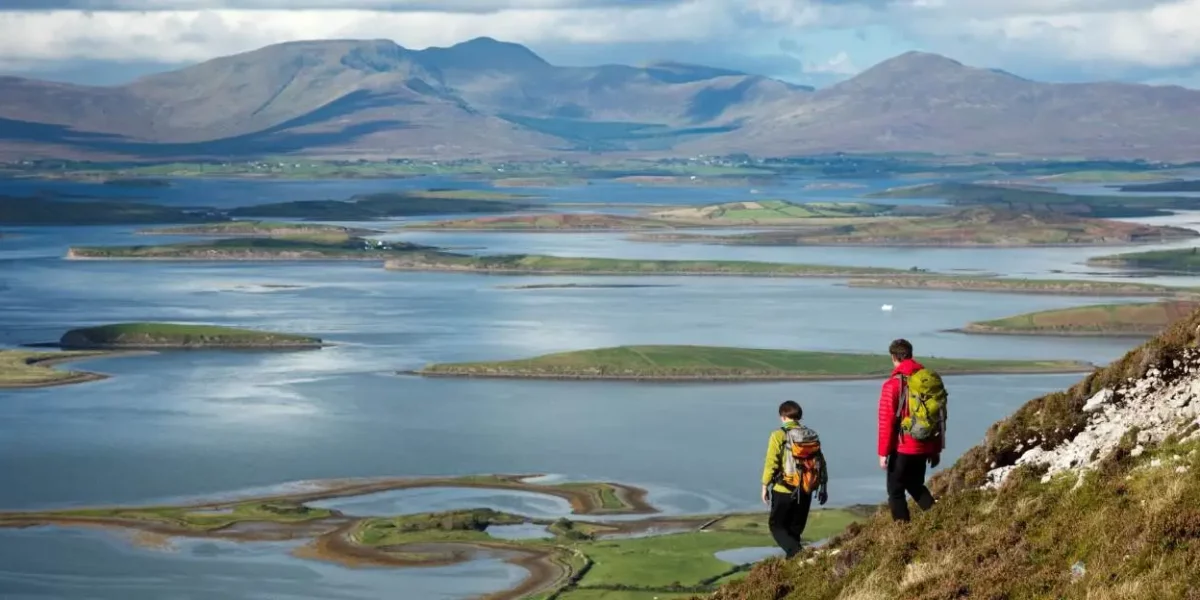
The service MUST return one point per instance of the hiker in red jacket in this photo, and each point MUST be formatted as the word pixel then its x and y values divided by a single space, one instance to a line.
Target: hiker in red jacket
pixel 903 457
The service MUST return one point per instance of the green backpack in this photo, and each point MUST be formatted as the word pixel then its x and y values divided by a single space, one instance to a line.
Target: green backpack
pixel 926 399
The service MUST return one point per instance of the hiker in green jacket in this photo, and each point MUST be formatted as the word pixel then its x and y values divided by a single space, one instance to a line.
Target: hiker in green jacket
pixel 793 470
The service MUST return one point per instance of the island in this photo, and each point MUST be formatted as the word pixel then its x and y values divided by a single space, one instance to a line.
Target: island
pixel 568 556
pixel 1060 287
pixel 1190 185
pixel 539 182
pixel 383 205
pixel 1021 199
pixel 141 182
pixel 707 363
pixel 38 210
pixel 1182 260
pixel 262 229
pixel 532 264
pixel 771 212
pixel 20 369
pixel 298 248
pixel 973 227
pixel 137 336
pixel 1109 320
pixel 565 222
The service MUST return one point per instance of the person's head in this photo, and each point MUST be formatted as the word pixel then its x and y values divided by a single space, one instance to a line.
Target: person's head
pixel 901 350
pixel 790 411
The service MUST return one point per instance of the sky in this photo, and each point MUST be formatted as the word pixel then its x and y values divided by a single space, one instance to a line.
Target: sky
pixel 816 42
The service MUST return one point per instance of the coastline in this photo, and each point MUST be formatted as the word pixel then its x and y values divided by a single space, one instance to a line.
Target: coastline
pixel 1052 333
pixel 609 273
pixel 1065 369
pixel 49 362
pixel 1086 287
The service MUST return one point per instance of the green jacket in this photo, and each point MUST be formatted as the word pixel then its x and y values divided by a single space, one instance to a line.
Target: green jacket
pixel 772 464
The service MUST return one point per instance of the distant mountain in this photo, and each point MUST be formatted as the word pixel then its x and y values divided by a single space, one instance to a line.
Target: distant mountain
pixel 486 98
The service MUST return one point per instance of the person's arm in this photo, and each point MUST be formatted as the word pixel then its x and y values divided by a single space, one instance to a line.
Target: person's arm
pixel 823 490
pixel 888 395
pixel 771 463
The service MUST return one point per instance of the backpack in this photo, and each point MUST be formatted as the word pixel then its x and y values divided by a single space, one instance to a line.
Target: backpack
pixel 924 397
pixel 800 461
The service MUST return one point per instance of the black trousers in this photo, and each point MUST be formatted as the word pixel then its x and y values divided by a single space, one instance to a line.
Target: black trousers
pixel 906 473
pixel 789 516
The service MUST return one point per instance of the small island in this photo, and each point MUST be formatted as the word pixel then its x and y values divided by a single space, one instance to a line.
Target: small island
pixel 1022 199
pixel 772 212
pixel 39 210
pixel 1110 320
pixel 705 363
pixel 139 336
pixel 1191 185
pixel 532 264
pixel 139 182
pixel 20 369
pixel 1183 260
pixel 547 222
pixel 974 227
pixel 1058 287
pixel 383 205
pixel 261 229
pixel 298 248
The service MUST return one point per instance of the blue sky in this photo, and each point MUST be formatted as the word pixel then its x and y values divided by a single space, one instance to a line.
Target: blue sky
pixel 816 42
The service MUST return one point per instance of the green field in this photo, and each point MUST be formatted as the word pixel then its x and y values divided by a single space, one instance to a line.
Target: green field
pixel 1031 200
pixel 704 362
pixel 1183 260
pixel 1108 319
pixel 21 369
pixel 293 247
pixel 145 335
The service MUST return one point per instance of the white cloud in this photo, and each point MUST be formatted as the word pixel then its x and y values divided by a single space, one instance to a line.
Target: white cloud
pixel 839 64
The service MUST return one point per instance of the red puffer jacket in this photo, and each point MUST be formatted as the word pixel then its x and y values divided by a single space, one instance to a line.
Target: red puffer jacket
pixel 889 400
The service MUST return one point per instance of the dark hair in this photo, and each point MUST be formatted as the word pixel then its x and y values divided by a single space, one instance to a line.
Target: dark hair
pixel 900 349
pixel 791 410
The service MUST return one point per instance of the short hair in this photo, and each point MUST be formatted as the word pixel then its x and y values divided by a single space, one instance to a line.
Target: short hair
pixel 901 349
pixel 791 410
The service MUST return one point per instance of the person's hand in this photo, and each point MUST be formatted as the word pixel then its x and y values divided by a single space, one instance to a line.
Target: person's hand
pixel 766 495
pixel 883 462
pixel 822 497
pixel 935 460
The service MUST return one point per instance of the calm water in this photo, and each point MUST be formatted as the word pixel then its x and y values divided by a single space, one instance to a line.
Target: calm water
pixel 201 423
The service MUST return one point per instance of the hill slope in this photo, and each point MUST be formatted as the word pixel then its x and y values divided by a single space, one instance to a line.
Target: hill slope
pixel 486 98
pixel 1086 493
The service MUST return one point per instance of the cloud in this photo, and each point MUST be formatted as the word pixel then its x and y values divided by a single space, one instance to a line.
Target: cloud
pixel 839 64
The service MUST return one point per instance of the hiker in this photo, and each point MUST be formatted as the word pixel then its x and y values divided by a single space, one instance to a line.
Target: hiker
pixel 794 469
pixel 912 426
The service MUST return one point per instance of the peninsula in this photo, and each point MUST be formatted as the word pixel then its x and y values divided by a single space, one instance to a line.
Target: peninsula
pixel 705 363
pixel 1020 199
pixel 1060 287
pixel 1183 260
pixel 531 264
pixel 1110 320
pixel 1191 185
pixel 973 227
pixel 262 229
pixel 134 336
pixel 674 554
pixel 298 247
pixel 20 369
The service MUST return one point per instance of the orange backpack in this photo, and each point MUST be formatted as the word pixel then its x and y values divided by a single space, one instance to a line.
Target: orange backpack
pixel 800 463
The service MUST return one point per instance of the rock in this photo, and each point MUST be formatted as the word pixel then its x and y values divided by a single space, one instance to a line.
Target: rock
pixel 1156 463
pixel 1181 470
pixel 1136 452
pixel 1098 401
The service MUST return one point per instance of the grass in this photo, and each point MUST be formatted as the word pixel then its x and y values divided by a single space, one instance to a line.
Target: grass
pixel 1030 200
pixel 461 525
pixel 1183 260
pixel 197 520
pixel 1107 319
pixel 703 362
pixel 1134 522
pixel 134 335
pixel 1107 176
pixel 21 369
pixel 534 264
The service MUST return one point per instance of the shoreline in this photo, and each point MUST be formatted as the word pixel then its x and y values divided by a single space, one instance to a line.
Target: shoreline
pixel 50 362
pixel 632 273
pixel 1052 333
pixel 1080 368
pixel 914 282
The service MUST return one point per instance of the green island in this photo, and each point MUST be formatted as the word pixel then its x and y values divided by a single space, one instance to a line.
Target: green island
pixel 706 363
pixel 1024 200
pixel 979 226
pixel 382 205
pixel 135 336
pixel 1182 260
pixel 1115 320
pixel 547 222
pixel 772 212
pixel 572 559
pixel 1178 185
pixel 262 229
pixel 1061 287
pixel 49 211
pixel 1107 176
pixel 297 247
pixel 20 369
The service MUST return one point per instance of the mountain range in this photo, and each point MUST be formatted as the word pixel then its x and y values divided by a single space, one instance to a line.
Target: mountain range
pixel 490 99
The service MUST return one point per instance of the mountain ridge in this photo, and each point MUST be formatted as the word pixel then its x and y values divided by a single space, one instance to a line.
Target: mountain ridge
pixel 488 98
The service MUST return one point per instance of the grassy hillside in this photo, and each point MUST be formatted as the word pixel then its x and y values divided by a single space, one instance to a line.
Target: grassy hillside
pixel 1108 319
pixel 179 335
pixel 1032 200
pixel 703 362
pixel 1183 260
pixel 1089 493
pixel 981 226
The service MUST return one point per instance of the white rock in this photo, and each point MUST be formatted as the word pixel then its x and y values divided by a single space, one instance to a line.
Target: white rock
pixel 1137 451
pixel 1098 401
pixel 1156 463
pixel 1181 470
